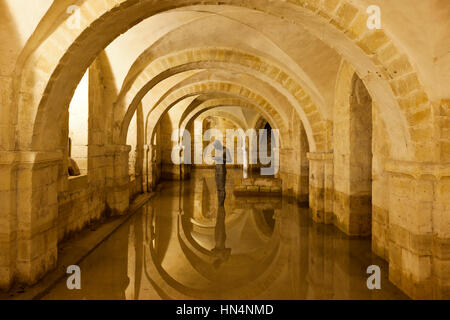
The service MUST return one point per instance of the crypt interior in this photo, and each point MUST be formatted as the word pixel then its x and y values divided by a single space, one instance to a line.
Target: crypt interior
pixel 94 96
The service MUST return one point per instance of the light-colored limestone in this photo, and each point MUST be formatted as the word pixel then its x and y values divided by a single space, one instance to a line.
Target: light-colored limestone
pixel 369 107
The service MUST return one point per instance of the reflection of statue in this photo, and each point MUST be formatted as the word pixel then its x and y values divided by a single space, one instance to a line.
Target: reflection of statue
pixel 221 157
pixel 220 251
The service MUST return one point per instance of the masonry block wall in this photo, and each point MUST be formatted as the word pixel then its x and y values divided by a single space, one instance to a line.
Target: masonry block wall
pixel 54 205
pixel 406 198
pixel 321 192
pixel 418 200
pixel 294 164
pixel 380 186
pixel 306 90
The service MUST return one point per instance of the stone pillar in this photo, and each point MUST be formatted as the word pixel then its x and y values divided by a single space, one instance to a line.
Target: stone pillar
pixel 197 146
pixel 8 232
pixel 321 186
pixel 419 228
pixel 37 212
pixel 288 174
pixel 146 168
pixel 352 198
pixel 275 163
pixel 380 215
pixel 155 167
pixel 292 171
pixel 117 179
pixel 151 170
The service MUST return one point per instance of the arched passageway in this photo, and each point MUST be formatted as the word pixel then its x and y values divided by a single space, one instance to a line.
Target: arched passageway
pixel 104 101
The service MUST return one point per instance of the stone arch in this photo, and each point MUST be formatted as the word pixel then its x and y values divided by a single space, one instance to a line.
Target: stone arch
pixel 209 105
pixel 223 114
pixel 213 103
pixel 340 19
pixel 352 206
pixel 199 78
pixel 231 89
pixel 203 58
pixel 45 81
pixel 259 123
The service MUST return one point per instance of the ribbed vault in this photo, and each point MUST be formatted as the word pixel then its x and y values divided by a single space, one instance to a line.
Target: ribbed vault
pixel 363 116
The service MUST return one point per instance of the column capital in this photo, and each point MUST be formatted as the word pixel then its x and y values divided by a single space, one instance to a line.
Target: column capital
pixel 29 157
pixel 418 170
pixel 117 148
pixel 320 156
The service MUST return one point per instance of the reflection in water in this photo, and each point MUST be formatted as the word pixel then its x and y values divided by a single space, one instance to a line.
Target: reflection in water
pixel 220 251
pixel 182 245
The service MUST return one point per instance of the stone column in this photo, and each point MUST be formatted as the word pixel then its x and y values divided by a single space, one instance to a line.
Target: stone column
pixel 352 197
pixel 146 168
pixel 139 171
pixel 197 152
pixel 292 169
pixel 419 228
pixel 8 232
pixel 155 172
pixel 151 170
pixel 37 212
pixel 117 178
pixel 321 186
pixel 287 171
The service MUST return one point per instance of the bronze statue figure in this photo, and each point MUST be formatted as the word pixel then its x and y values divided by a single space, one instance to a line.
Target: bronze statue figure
pixel 222 157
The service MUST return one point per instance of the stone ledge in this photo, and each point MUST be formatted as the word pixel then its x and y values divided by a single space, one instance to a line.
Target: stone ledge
pixel 78 183
pixel 258 187
pixel 27 158
pixel 113 149
pixel 418 170
pixel 320 156
pixel 420 244
pixel 257 191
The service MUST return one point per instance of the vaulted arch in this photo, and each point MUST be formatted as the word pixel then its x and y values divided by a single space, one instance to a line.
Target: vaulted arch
pixel 363 115
pixel 224 88
pixel 135 87
pixel 345 31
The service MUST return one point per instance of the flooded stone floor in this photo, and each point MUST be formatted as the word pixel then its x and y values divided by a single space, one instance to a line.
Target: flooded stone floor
pixel 180 245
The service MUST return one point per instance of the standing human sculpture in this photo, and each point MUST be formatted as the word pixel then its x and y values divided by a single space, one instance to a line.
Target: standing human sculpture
pixel 221 157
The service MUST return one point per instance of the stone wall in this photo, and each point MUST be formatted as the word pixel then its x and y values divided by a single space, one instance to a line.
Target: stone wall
pixel 259 187
pixel 294 164
pixel 353 156
pixel 408 199
pixel 301 89
pixel 419 199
